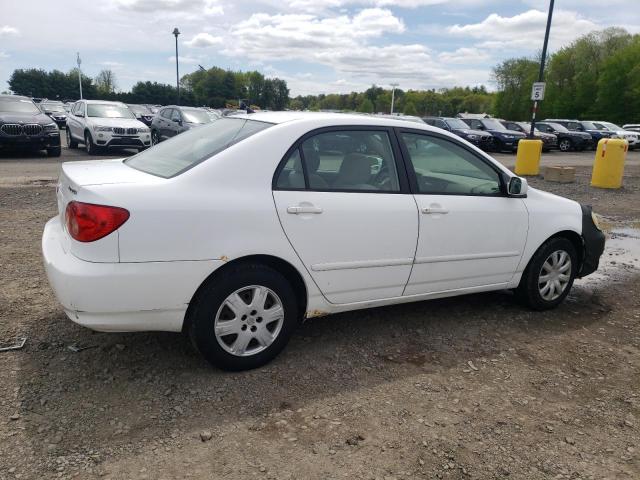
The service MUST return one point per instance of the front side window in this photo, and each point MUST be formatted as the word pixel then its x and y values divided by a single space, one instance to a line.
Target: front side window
pixel 78 109
pixel 443 167
pixel 166 113
pixel 196 116
pixel 342 160
pixel 175 116
pixel 180 153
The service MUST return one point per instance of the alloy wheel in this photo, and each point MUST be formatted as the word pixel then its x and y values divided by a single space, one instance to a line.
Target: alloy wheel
pixel 249 320
pixel 554 275
pixel 565 145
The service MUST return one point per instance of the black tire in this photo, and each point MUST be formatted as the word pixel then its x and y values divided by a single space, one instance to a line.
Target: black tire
pixel 54 151
pixel 529 289
pixel 71 143
pixel 90 147
pixel 209 301
pixel 155 138
pixel 565 145
pixel 142 149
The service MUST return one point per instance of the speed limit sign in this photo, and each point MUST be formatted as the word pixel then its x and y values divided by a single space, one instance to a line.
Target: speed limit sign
pixel 537 92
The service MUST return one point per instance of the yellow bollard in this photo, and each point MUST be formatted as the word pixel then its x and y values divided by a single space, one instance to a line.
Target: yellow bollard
pixel 608 166
pixel 528 158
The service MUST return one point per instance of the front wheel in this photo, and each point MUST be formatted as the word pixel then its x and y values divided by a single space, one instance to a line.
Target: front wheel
pixel 155 138
pixel 549 276
pixel 90 147
pixel 244 317
pixel 71 143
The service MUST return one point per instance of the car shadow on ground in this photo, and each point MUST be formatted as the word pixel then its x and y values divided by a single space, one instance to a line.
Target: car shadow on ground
pixel 124 385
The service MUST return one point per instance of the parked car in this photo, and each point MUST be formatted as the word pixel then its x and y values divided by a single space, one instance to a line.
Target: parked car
pixel 172 120
pixel 549 140
pixel 24 126
pixel 235 231
pixel 503 138
pixel 567 139
pixel 597 134
pixel 56 111
pixel 100 124
pixel 618 132
pixel 142 113
pixel 483 140
pixel 632 127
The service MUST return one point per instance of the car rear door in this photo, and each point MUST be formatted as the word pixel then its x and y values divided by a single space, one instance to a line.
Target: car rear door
pixel 471 235
pixel 344 205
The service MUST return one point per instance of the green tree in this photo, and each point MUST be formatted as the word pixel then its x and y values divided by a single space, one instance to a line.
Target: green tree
pixel 410 109
pixel 366 106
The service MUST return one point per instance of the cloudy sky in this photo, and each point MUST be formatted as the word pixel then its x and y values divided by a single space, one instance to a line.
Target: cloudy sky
pixel 318 46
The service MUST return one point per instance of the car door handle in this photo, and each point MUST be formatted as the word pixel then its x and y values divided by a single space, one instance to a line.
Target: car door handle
pixel 431 210
pixel 303 209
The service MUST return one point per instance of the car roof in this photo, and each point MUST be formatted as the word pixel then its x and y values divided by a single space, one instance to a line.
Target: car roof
pixel 14 97
pixel 101 102
pixel 325 117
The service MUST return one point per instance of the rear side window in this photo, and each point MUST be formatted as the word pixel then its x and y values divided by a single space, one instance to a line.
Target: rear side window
pixel 184 151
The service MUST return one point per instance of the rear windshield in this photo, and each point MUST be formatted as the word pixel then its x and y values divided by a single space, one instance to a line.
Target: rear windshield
pixel 180 153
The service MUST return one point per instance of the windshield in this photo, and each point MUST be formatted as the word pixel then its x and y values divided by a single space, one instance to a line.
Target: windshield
pixel 557 127
pixel 492 124
pixel 589 126
pixel 106 110
pixel 52 107
pixel 180 153
pixel 18 106
pixel 196 116
pixel 139 109
pixel 456 123
pixel 610 126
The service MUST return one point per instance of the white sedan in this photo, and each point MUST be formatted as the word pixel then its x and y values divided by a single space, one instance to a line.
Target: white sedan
pixel 237 231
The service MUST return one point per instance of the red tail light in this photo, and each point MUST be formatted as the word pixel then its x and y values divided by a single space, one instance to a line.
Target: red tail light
pixel 87 222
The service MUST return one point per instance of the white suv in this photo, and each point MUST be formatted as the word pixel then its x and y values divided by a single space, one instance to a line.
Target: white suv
pixel 618 132
pixel 102 124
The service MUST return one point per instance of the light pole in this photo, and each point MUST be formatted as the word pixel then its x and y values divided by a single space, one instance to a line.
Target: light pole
pixel 542 61
pixel 79 73
pixel 176 32
pixel 393 94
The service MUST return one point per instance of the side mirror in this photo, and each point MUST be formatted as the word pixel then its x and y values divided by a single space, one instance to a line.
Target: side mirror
pixel 517 187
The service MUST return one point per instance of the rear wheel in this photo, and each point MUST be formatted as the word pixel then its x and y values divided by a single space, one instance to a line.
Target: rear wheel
pixel 71 143
pixel 244 317
pixel 89 146
pixel 565 145
pixel 54 151
pixel 549 276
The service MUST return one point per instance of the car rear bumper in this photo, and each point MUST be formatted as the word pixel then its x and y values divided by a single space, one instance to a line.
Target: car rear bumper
pixel 121 297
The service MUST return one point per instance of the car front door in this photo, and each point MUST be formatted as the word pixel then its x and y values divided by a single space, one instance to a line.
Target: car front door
pixel 77 121
pixel 345 207
pixel 164 120
pixel 471 234
pixel 175 125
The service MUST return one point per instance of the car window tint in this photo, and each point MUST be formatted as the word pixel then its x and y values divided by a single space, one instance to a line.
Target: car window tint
pixel 175 115
pixel 350 161
pixel 166 113
pixel 443 167
pixel 292 176
pixel 182 152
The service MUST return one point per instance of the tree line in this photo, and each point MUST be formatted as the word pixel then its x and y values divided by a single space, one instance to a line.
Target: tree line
pixel 595 77
pixel 214 87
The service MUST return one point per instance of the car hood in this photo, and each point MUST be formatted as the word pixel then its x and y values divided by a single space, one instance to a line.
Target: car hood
pixel 508 132
pixel 545 135
pixel 469 131
pixel 10 117
pixel 117 122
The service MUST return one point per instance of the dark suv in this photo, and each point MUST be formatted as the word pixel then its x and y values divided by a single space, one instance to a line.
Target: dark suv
pixel 23 125
pixel 56 111
pixel 503 138
pixel 142 113
pixel 549 140
pixel 567 139
pixel 479 138
pixel 172 120
pixel 583 126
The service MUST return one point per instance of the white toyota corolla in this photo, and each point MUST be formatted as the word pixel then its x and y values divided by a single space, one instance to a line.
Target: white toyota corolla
pixel 236 231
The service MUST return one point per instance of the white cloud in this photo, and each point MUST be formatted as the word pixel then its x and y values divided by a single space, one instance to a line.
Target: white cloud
pixel 526 29
pixel 4 55
pixel 8 30
pixel 202 40
pixel 464 55
pixel 207 7
pixel 184 60
pixel 111 64
pixel 314 5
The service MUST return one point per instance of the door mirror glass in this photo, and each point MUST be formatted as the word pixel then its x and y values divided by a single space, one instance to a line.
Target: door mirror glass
pixel 517 187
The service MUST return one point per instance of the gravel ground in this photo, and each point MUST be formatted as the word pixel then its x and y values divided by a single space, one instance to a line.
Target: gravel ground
pixel 468 387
